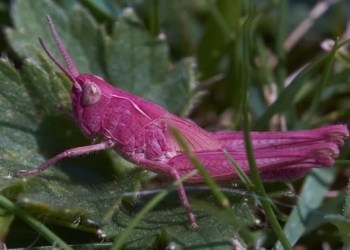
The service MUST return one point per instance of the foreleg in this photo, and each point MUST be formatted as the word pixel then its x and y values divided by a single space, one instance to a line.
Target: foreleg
pixel 68 153
pixel 65 112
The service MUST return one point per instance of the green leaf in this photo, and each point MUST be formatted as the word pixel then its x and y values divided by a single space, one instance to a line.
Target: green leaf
pixel 39 227
pixel 131 59
pixel 317 219
pixel 343 225
pixel 221 24
pixel 6 219
pixel 107 7
pixel 341 221
pixel 211 230
pixel 28 130
pixel 30 22
pixel 139 63
pixel 316 185
pixel 347 203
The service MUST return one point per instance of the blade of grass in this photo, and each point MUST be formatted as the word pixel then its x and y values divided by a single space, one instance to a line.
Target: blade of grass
pixel 342 162
pixel 280 38
pixel 154 18
pixel 317 98
pixel 250 186
pixel 343 58
pixel 266 67
pixel 284 99
pixel 215 12
pixel 244 178
pixel 329 118
pixel 201 169
pixel 35 224
pixel 245 29
pixel 319 90
pixel 221 23
pixel 258 187
pixel 89 246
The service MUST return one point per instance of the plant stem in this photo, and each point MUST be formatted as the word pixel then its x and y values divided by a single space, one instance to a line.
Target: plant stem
pixel 280 38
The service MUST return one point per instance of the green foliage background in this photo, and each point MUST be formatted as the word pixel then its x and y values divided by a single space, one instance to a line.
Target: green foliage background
pixel 195 58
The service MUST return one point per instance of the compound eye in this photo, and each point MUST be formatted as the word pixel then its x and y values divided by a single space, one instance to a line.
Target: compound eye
pixel 91 94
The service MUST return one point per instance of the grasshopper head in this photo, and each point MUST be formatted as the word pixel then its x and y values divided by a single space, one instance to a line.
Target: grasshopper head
pixel 90 103
pixel 90 94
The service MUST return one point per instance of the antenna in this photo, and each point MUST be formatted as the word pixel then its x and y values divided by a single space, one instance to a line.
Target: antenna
pixel 49 53
pixel 73 72
pixel 63 50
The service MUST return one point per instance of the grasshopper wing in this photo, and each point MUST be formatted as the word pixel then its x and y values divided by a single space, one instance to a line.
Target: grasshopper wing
pixel 232 140
pixel 197 138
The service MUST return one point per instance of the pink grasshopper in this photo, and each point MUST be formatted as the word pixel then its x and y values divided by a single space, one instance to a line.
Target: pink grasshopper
pixel 139 131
